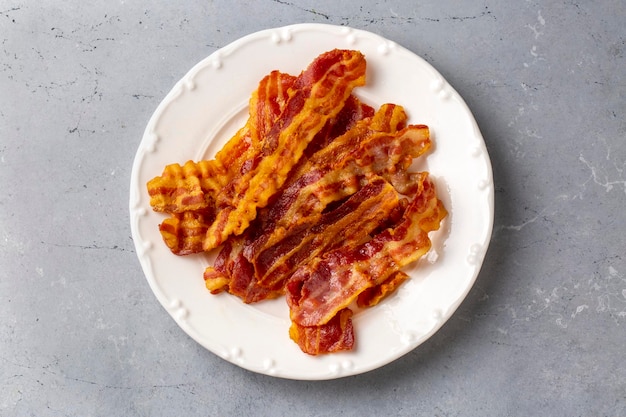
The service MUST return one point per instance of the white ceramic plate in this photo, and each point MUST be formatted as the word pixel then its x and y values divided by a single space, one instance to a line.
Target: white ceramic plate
pixel 203 111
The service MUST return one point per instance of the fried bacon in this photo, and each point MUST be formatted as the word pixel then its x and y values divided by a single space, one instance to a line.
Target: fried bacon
pixel 373 295
pixel 318 290
pixel 351 221
pixel 313 198
pixel 184 232
pixel 337 171
pixel 195 185
pixel 317 96
pixel 188 192
pixel 335 336
pixel 233 273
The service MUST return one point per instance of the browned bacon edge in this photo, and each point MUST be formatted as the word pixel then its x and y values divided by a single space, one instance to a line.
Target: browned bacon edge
pixel 184 232
pixel 318 95
pixel 302 204
pixel 188 192
pixel 335 336
pixel 318 290
pixel 195 185
pixel 373 295
pixel 321 180
pixel 233 273
pixel 352 221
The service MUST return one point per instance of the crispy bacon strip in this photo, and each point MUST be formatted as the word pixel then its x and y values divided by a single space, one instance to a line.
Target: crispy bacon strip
pixel 194 185
pixel 318 95
pixel 233 273
pixel 373 295
pixel 220 277
pixel 389 119
pixel 332 174
pixel 353 111
pixel 186 188
pixel 320 289
pixel 352 221
pixel 184 232
pixel 188 192
pixel 335 336
pixel 349 223
pixel 391 156
pixel 305 194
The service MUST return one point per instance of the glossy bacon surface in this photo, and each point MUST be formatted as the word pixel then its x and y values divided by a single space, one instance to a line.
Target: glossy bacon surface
pixel 195 185
pixel 233 273
pixel 328 175
pixel 356 217
pixel 317 96
pixel 335 336
pixel 351 221
pixel 335 172
pixel 320 289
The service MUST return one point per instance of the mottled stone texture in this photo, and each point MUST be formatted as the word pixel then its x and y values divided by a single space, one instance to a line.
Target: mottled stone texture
pixel 541 333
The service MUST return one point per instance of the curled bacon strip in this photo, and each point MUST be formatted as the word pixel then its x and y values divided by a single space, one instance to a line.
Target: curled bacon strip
pixel 195 185
pixel 233 273
pixel 337 171
pixel 317 96
pixel 352 221
pixel 321 288
pixel 335 336
pixel 189 192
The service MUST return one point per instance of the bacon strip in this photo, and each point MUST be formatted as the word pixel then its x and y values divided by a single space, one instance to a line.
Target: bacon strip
pixel 332 174
pixel 221 277
pixel 309 191
pixel 373 295
pixel 335 336
pixel 185 188
pixel 266 105
pixel 320 289
pixel 350 222
pixel 352 112
pixel 188 192
pixel 194 186
pixel 233 273
pixel 318 95
pixel 184 232
pixel 391 156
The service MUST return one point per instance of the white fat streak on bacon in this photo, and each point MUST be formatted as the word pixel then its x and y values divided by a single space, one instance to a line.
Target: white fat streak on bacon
pixel 306 113
pixel 318 290
pixel 327 176
pixel 361 155
pixel 351 222
pixel 195 185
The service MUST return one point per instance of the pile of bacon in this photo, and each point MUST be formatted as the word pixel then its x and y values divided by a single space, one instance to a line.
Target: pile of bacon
pixel 311 199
